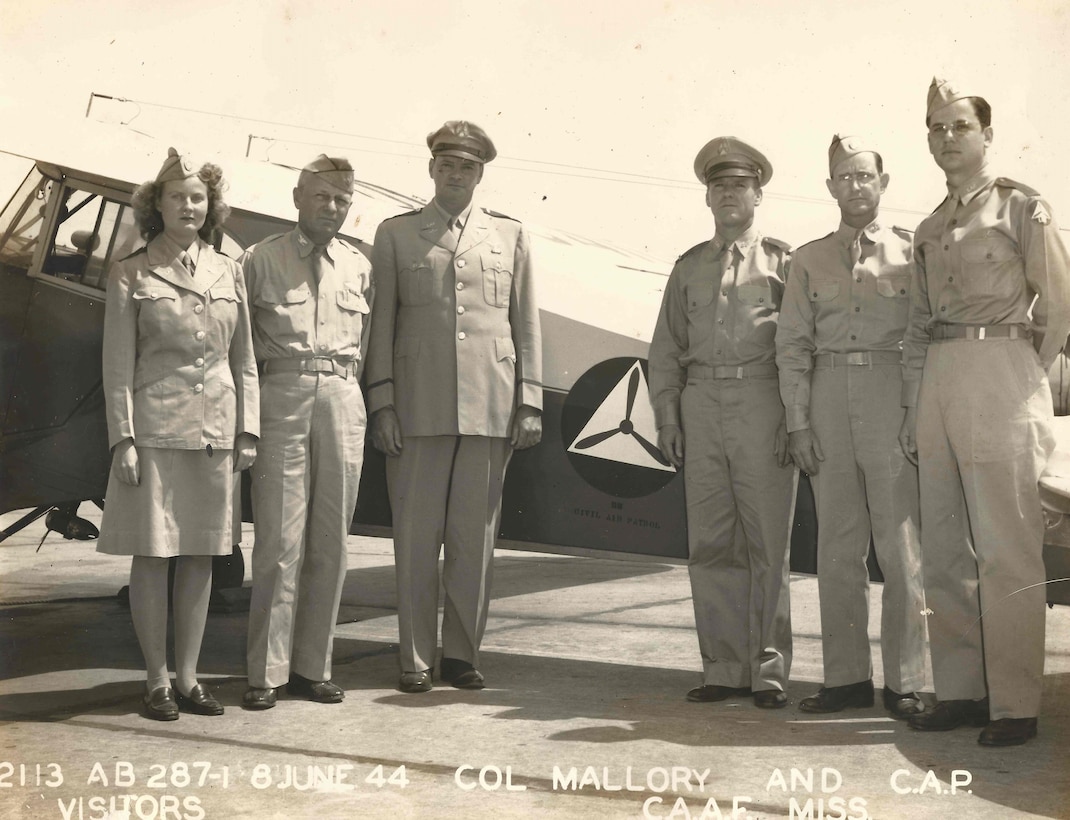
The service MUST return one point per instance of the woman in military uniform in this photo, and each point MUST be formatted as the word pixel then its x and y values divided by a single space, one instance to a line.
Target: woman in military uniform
pixel 182 398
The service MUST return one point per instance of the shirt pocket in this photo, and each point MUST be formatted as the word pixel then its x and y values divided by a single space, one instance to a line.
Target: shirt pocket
pixel 759 296
pixel 986 259
pixel 416 284
pixel 159 309
pixel 290 312
pixel 497 281
pixel 504 349
pixel 894 287
pixel 699 296
pixel 223 310
pixel 352 308
pixel 823 290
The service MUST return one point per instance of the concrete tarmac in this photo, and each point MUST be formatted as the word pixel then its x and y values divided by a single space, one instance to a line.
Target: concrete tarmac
pixel 587 661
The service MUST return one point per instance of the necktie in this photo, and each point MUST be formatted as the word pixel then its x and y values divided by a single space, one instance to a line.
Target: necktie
pixel 187 263
pixel 856 250
pixel 319 267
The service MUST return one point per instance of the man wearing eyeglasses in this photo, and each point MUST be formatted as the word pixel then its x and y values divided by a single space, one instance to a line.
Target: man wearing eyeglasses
pixel 979 420
pixel 839 343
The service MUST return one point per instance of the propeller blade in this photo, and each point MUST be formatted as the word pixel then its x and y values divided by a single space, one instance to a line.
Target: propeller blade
pixel 597 438
pixel 633 388
pixel 655 453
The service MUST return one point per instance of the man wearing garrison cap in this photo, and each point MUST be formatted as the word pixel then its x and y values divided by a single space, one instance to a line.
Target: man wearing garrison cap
pixel 989 312
pixel 309 298
pixel 839 349
pixel 454 386
pixel 713 386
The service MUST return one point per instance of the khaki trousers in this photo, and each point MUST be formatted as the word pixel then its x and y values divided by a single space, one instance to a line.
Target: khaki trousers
pixel 865 486
pixel 984 436
pixel 304 493
pixel 445 492
pixel 739 513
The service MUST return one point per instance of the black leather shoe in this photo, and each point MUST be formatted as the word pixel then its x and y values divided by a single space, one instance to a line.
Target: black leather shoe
pixel 1008 732
pixel 712 692
pixel 950 714
pixel 199 702
pixel 414 682
pixel 72 527
pixel 902 707
pixel 770 699
pixel 257 699
pixel 159 704
pixel 319 691
pixel 460 674
pixel 837 698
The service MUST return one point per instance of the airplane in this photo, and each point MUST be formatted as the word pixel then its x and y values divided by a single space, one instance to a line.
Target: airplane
pixel 597 483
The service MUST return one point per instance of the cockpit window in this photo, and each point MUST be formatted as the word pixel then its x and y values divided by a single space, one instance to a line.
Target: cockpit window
pixel 21 221
pixel 92 231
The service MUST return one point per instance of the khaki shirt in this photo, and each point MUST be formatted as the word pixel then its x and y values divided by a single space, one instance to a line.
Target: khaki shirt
pixel 293 316
pixel 719 309
pixel 982 257
pixel 834 304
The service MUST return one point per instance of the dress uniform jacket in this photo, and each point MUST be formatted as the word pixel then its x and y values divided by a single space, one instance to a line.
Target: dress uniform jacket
pixel 975 361
pixel 712 371
pixel 839 343
pixel 178 364
pixel 455 350
pixel 309 315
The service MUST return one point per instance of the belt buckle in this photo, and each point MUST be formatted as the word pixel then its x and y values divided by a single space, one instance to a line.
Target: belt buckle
pixel 739 372
pixel 858 358
pixel 981 334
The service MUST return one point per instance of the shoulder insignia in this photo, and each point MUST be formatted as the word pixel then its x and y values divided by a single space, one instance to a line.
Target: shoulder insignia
pixel 783 247
pixel 407 213
pixel 142 249
pixel 489 212
pixel 690 251
pixel 1041 215
pixel 1006 182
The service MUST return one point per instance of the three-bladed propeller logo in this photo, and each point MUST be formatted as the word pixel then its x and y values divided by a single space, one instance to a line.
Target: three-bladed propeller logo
pixel 626 427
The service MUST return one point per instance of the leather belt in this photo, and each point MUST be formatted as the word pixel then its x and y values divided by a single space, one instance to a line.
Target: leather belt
pixel 976 333
pixel 864 358
pixel 313 364
pixel 750 371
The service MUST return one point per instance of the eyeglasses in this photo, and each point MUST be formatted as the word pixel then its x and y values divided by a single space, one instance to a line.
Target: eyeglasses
pixel 861 177
pixel 959 128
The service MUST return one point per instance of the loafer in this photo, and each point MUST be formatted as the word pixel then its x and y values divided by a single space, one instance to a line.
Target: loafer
pixel 257 699
pixel 712 692
pixel 770 699
pixel 1008 732
pixel 902 706
pixel 837 698
pixel 413 682
pixel 460 674
pixel 318 691
pixel 199 702
pixel 71 526
pixel 950 714
pixel 159 704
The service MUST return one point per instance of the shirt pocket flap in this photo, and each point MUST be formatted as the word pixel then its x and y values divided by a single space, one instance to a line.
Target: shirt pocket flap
pixel 504 348
pixel 894 286
pixel 495 263
pixel 275 295
pixel 352 301
pixel 823 291
pixel 227 294
pixel 755 295
pixel 991 248
pixel 699 295
pixel 154 291
pixel 407 347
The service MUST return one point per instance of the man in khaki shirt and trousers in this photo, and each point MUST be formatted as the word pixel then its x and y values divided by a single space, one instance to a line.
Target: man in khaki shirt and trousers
pixel 308 295
pixel 454 386
pixel 839 351
pixel 713 386
pixel 989 312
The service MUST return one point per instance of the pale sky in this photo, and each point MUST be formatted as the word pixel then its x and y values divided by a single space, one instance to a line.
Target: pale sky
pixel 625 92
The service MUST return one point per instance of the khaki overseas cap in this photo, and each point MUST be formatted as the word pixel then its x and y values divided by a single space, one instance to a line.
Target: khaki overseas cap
pixel 731 157
pixel 459 138
pixel 335 171
pixel 943 92
pixel 176 166
pixel 842 148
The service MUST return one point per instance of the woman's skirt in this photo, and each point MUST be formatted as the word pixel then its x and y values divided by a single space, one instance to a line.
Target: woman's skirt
pixel 181 506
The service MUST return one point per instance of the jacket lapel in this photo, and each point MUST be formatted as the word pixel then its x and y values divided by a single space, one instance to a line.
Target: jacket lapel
pixel 475 231
pixel 164 263
pixel 433 228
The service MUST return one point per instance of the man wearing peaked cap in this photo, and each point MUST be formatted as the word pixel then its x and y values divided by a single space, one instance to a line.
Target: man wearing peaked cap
pixel 309 293
pixel 990 311
pixel 713 386
pixel 839 349
pixel 454 386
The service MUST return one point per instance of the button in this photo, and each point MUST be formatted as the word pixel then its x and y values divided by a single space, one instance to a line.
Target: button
pixel 951 279
pixel 943 309
pixel 857 309
pixel 199 335
pixel 858 279
pixel 815 294
pixel 954 222
pixel 461 336
pixel 460 309
pixel 761 299
pixel 724 292
pixel 198 309
pixel 461 263
pixel 323 347
pixel 199 362
pixel 946 247
pixel 853 337
pixel 720 321
pixel 198 388
pixel 988 255
pixel 902 290
pixel 460 286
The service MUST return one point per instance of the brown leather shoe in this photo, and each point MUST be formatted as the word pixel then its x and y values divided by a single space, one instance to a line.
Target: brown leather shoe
pixel 460 674
pixel 258 699
pixel 159 704
pixel 770 699
pixel 199 702
pixel 837 698
pixel 902 707
pixel 711 693
pixel 412 683
pixel 318 691
pixel 1008 732
pixel 950 714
